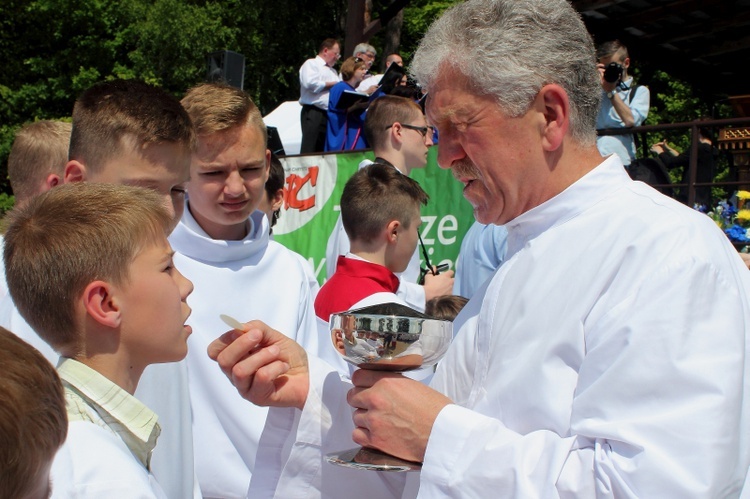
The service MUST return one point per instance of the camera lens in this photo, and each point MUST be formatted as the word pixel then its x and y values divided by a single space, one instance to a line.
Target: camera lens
pixel 613 72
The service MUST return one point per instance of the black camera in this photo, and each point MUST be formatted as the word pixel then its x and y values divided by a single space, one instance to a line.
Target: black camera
pixel 613 72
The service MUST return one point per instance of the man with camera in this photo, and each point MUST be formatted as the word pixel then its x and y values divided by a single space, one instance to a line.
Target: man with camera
pixel 624 104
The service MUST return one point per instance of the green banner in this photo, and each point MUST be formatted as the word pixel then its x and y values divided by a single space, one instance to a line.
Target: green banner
pixel 311 206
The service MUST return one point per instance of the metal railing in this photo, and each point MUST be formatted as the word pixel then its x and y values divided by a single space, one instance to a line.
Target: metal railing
pixel 694 135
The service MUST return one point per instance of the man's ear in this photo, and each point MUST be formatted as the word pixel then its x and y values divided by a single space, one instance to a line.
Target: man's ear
pixel 555 105
pixel 75 171
pixel 101 304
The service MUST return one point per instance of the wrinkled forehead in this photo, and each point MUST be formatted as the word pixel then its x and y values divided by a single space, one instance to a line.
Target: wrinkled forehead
pixel 447 93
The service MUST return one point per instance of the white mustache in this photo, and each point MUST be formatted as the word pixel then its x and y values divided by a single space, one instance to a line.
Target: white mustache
pixel 464 168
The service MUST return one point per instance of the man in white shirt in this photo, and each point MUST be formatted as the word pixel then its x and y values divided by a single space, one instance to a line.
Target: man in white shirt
pixel 316 77
pixel 607 356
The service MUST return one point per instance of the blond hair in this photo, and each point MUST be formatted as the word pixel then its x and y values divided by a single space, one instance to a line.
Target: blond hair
pixel 39 149
pixel 68 237
pixel 33 422
pixel 113 115
pixel 215 107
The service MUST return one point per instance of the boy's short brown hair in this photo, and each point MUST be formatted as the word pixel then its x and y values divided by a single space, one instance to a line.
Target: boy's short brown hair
pixel 215 107
pixel 33 422
pixel 384 112
pixel 445 307
pixel 109 112
pixel 68 237
pixel 39 149
pixel 376 195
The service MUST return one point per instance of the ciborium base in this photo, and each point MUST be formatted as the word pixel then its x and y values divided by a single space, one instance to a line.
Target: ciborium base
pixel 363 458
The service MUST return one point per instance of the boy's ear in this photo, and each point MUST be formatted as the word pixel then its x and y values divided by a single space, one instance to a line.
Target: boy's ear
pixel 52 180
pixel 277 200
pixel 75 171
pixel 395 134
pixel 101 304
pixel 393 229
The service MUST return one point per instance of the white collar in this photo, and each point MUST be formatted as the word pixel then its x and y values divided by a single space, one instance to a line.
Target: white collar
pixel 192 241
pixel 597 184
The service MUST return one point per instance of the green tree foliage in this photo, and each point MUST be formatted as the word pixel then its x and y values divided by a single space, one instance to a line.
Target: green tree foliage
pixel 53 49
pixel 676 101
pixel 417 18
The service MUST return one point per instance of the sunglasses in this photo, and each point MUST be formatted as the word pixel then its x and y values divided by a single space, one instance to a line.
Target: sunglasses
pixel 421 129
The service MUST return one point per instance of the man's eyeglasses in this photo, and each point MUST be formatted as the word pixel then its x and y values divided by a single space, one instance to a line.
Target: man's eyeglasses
pixel 421 129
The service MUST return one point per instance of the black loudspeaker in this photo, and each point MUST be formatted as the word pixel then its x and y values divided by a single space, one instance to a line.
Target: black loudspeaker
pixel 274 141
pixel 227 67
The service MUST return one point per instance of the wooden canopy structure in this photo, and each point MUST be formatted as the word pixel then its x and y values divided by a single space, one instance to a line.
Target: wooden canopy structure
pixel 704 42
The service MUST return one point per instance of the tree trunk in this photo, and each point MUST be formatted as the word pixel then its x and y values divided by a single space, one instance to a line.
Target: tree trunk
pixel 392 37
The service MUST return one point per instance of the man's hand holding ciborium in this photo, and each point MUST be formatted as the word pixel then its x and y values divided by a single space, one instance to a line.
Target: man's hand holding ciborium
pixel 392 413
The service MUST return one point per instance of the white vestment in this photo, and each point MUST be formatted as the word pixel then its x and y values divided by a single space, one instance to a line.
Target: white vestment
pixel 254 278
pixel 163 388
pixel 607 357
pixel 111 437
pixel 77 470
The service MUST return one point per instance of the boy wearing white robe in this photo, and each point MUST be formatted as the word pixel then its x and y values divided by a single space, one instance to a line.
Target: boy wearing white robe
pixel 223 244
pixel 90 268
pixel 132 133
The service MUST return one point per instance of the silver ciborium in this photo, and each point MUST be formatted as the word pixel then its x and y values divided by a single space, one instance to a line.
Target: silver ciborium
pixel 386 337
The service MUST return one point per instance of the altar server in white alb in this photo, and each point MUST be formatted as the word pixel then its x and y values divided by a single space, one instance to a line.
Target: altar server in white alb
pixel 90 269
pixel 222 243
pixel 607 356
